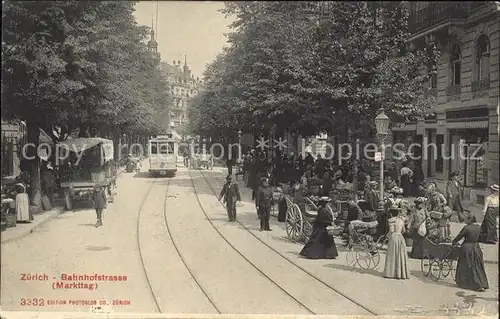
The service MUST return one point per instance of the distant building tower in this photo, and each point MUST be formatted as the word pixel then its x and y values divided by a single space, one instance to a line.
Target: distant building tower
pixel 152 44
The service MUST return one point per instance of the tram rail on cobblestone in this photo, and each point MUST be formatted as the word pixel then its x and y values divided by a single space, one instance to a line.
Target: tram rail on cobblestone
pixel 372 312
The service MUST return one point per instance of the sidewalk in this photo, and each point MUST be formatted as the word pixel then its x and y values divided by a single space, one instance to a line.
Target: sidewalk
pixel 490 252
pixel 23 229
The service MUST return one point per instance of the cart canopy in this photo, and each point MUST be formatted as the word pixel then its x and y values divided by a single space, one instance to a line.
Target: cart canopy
pixel 78 145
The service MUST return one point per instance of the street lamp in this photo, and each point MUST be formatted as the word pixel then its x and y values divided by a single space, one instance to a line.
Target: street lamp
pixel 382 124
pixel 240 134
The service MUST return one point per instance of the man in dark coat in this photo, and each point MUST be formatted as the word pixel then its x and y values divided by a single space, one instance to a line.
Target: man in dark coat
pixel 319 166
pixel 372 197
pixel 100 203
pixel 231 194
pixel 229 164
pixel 264 202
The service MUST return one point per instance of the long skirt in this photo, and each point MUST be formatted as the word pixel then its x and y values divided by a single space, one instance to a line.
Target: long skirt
pixel 321 245
pixel 489 226
pixel 282 207
pixel 470 272
pixel 417 250
pixel 22 207
pixel 406 185
pixel 396 261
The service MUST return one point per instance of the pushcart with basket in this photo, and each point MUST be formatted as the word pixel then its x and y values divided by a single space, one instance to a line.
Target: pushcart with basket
pixel 206 161
pixel 363 250
pixel 439 259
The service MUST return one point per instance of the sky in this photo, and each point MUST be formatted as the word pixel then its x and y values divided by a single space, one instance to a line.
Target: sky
pixel 194 28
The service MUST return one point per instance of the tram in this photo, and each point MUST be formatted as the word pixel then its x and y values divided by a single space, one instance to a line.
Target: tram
pixel 163 152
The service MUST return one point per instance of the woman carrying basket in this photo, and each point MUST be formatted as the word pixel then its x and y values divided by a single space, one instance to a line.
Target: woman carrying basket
pixel 470 272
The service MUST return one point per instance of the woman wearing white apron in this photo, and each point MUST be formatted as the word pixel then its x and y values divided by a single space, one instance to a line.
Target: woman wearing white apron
pixel 22 204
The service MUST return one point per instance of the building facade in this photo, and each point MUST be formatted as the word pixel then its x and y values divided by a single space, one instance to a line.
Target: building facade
pixel 183 86
pixel 465 125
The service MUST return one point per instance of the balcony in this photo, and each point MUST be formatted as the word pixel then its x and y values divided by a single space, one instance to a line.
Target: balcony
pixel 453 92
pixel 437 13
pixel 481 88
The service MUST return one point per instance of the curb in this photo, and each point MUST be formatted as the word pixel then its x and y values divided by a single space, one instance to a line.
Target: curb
pixel 57 211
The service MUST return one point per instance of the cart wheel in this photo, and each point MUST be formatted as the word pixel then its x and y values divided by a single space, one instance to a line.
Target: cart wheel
pixel 425 265
pixel 447 268
pixel 307 230
pixel 436 270
pixel 382 243
pixel 294 223
pixel 366 259
pixel 68 201
pixel 350 258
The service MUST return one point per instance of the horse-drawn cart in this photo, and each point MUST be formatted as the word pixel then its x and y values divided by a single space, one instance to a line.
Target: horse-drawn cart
pixel 87 167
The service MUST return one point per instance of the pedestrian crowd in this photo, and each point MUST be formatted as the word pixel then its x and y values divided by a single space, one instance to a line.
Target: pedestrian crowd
pixel 425 222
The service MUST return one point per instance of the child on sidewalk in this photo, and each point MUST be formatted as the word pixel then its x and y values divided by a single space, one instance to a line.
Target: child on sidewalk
pixel 100 203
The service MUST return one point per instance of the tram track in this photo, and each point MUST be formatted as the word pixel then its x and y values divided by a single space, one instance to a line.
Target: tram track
pixel 241 254
pixel 330 287
pixel 141 256
pixel 154 296
pixel 176 247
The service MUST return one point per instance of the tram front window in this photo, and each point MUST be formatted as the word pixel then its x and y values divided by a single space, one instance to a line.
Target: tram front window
pixel 167 148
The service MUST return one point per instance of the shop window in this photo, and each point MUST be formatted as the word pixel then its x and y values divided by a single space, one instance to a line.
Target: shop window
pixel 482 58
pixel 456 64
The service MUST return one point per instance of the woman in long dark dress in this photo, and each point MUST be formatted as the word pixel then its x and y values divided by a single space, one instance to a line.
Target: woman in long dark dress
pixel 490 210
pixel 406 175
pixel 321 245
pixel 470 273
pixel 417 218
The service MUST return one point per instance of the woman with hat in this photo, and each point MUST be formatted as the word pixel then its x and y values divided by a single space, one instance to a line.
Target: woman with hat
pixel 22 204
pixel 490 210
pixel 470 273
pixel 416 220
pixel 321 244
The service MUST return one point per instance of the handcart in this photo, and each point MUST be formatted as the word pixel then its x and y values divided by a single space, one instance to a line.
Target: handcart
pixel 363 250
pixel 206 161
pixel 439 259
pixel 300 217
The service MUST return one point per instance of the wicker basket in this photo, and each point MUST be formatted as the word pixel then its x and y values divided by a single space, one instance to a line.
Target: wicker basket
pixel 334 230
pixel 11 220
pixel 436 215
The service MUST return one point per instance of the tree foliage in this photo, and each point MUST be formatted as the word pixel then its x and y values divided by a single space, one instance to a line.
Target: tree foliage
pixel 309 66
pixel 79 65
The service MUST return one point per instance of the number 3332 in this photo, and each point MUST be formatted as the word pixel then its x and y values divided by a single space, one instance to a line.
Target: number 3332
pixel 32 302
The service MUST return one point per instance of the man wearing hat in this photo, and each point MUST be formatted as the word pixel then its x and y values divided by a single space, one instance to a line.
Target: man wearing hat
pixel 263 203
pixel 454 194
pixel 100 203
pixel 372 197
pixel 231 194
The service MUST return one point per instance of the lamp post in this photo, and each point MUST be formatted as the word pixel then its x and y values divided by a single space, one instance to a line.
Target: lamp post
pixel 124 143
pixel 240 134
pixel 382 125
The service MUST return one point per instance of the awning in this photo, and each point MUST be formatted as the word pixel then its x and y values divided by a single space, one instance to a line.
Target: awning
pixel 403 127
pixel 79 145
pixel 45 138
pixel 467 125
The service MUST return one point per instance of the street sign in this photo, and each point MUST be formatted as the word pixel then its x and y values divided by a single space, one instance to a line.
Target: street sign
pixel 378 156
